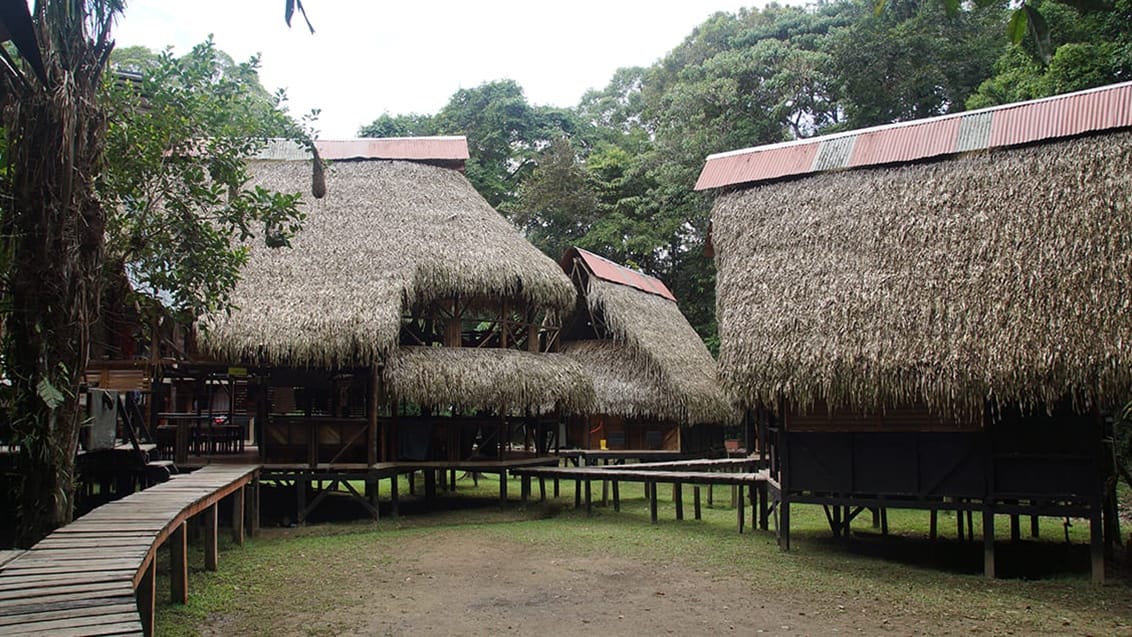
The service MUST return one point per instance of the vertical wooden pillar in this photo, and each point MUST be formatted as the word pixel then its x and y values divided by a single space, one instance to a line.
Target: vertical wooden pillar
pixel 300 499
pixel 1096 541
pixel 589 499
pixel 394 495
pixel 502 488
pixel 651 488
pixel 933 531
pixel 179 565
pixel 784 521
pixel 696 502
pixel 238 515
pixel 740 512
pixel 678 499
pixel 372 407
pixel 988 542
pixel 211 545
pixel 616 496
pixel 253 508
pixel 146 595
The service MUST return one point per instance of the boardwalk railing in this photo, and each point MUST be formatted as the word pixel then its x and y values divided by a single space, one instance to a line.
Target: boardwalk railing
pixel 96 576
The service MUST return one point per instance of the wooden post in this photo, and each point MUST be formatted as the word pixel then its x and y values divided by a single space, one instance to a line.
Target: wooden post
pixel 933 531
pixel 179 565
pixel 1096 542
pixel 737 494
pixel 696 502
pixel 238 515
pixel 616 496
pixel 651 488
pixel 502 488
pixel 394 495
pixel 678 499
pixel 146 595
pixel 541 489
pixel 784 517
pixel 764 506
pixel 589 499
pixel 525 488
pixel 1015 528
pixel 577 494
pixel 211 545
pixel 300 499
pixel 883 522
pixel 253 508
pixel 988 543
pixel 1034 526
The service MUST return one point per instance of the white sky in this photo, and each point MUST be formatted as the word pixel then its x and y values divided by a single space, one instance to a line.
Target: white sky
pixel 368 57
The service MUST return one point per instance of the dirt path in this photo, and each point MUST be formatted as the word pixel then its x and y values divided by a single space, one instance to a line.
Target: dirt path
pixel 470 585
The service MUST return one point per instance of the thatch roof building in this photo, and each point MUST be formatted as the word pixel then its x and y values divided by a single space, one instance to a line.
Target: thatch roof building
pixel 645 359
pixel 949 278
pixel 933 313
pixel 390 239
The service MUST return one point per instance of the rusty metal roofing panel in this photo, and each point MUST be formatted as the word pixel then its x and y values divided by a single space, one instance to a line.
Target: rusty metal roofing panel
pixel 974 131
pixel 408 148
pixel 1107 107
pixel 607 270
pixel 1063 115
pixel 834 153
pixel 769 162
pixel 906 142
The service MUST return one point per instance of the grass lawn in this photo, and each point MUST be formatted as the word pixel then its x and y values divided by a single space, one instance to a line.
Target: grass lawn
pixel 285 580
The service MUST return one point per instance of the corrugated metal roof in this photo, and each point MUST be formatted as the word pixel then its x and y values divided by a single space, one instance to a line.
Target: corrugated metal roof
pixel 406 148
pixel 607 270
pixel 1104 108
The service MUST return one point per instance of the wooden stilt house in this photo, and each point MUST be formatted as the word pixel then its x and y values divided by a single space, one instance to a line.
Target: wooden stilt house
pixel 655 381
pixel 409 322
pixel 934 314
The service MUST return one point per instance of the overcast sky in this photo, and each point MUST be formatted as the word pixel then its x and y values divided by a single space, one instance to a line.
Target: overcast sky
pixel 368 57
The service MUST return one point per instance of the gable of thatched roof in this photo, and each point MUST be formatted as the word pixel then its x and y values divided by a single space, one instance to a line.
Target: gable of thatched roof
pixel 388 234
pixel 994 275
pixel 653 346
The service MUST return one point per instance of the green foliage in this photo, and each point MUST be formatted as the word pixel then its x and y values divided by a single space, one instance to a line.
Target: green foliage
pixel 1089 49
pixel 177 183
pixel 913 60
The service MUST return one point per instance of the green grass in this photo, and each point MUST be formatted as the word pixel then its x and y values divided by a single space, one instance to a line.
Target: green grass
pixel 904 573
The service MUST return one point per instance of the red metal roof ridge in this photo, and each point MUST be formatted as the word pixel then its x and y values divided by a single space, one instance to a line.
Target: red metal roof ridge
pixel 984 128
pixel 613 272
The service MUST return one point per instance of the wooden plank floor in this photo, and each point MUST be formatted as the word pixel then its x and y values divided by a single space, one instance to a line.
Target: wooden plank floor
pixel 81 579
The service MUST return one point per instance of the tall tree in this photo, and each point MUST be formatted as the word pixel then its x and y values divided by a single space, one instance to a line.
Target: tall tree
pixel 53 224
pixel 556 203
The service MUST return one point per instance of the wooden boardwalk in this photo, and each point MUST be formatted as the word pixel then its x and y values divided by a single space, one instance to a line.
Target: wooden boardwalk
pixel 96 576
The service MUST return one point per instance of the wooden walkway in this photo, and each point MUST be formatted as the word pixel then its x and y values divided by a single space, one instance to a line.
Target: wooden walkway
pixel 96 576
pixel 651 475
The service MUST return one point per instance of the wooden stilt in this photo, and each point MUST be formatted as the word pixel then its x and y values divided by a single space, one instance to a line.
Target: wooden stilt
pixel 556 494
pixel 300 500
pixel 696 502
pixel 524 489
pixel 883 522
pixel 652 502
pixel 737 496
pixel 988 543
pixel 253 508
pixel 412 483
pixel 179 564
pixel 238 516
pixel 1034 526
pixel 394 495
pixel 1015 528
pixel 211 545
pixel 589 499
pixel 764 506
pixel 933 524
pixel 876 517
pixel 784 531
pixel 1096 542
pixel 146 596
pixel 616 496
pixel 678 499
pixel 541 489
pixel 502 488
pixel 577 494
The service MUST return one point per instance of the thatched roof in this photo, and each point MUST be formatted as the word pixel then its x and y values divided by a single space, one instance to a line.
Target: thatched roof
pixel 388 234
pixel 1003 275
pixel 656 365
pixel 505 380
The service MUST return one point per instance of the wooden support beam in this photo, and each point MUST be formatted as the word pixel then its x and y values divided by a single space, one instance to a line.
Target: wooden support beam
pixel 577 494
pixel 253 508
pixel 502 488
pixel 301 484
pixel 737 494
pixel 179 564
pixel 589 499
pixel 764 507
pixel 933 524
pixel 211 543
pixel 1034 532
pixel 696 502
pixel 146 593
pixel 1096 542
pixel 616 496
pixel 651 488
pixel 784 521
pixel 678 499
pixel 988 543
pixel 1015 528
pixel 394 495
pixel 238 515
pixel 541 489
